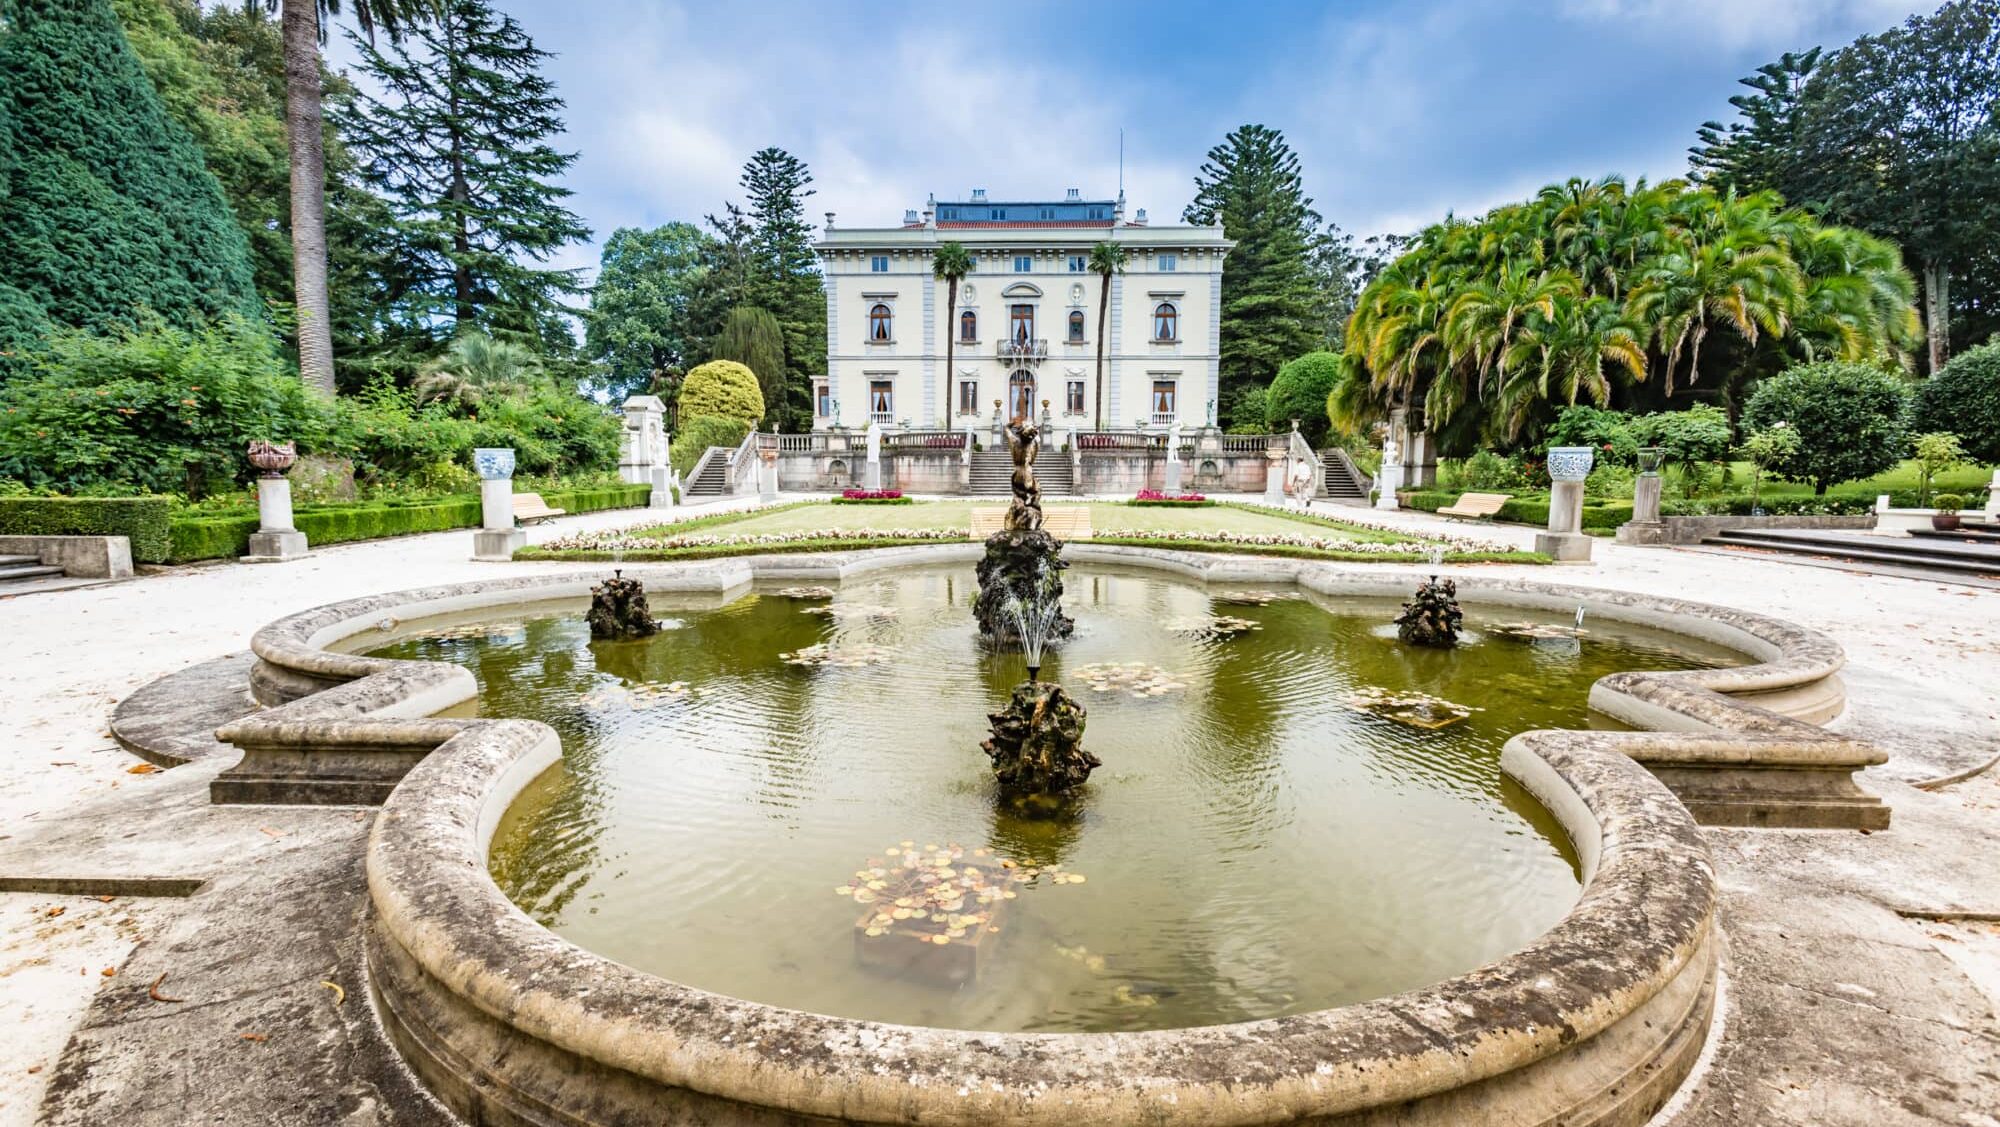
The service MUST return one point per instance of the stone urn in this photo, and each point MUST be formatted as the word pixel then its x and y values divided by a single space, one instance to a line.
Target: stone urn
pixel 272 459
pixel 1570 463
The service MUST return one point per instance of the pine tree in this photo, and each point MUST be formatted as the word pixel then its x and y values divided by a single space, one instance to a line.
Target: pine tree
pixel 106 207
pixel 785 276
pixel 459 143
pixel 1272 310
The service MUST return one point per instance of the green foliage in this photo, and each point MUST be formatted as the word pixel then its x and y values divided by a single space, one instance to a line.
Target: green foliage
pixel 1487 472
pixel 1764 447
pixel 1526 510
pixel 160 409
pixel 142 520
pixel 752 337
pixel 1949 502
pixel 476 368
pixel 1607 432
pixel 226 536
pixel 724 388
pixel 391 437
pixel 639 310
pixel 1963 397
pixel 1898 133
pixel 1249 410
pixel 106 209
pixel 1615 296
pixel 1299 392
pixel 1936 452
pixel 1690 438
pixel 459 143
pixel 1609 481
pixel 1849 418
pixel 551 432
pixel 701 432
pixel 1251 184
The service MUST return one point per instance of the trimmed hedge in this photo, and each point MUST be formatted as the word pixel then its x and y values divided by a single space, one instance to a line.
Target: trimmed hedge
pixel 228 536
pixel 142 520
pixel 1527 510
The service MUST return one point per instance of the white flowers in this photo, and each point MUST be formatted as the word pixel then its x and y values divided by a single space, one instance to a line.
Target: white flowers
pixel 625 541
pixel 1453 545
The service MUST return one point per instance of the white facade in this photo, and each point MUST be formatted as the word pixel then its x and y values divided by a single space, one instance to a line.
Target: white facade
pixel 1025 327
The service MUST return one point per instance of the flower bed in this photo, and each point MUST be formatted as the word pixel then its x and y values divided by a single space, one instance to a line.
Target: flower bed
pixel 872 497
pixel 1153 497
pixel 1453 545
pixel 603 544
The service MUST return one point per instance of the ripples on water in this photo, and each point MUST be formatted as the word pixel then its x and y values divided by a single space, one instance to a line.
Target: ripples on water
pixel 1252 846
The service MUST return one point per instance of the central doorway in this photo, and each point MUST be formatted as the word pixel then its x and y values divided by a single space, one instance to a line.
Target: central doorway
pixel 1021 395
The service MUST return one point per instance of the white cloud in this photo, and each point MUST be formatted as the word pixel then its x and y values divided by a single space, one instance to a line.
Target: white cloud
pixel 1733 24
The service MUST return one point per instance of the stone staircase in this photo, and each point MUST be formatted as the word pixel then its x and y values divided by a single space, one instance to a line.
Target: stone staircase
pixel 1340 482
pixel 1941 553
pixel 713 480
pixel 993 473
pixel 20 571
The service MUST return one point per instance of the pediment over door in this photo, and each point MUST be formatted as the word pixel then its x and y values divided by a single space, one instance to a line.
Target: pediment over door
pixel 1022 289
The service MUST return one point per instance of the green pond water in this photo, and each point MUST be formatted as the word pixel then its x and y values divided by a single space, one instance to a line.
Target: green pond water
pixel 1257 842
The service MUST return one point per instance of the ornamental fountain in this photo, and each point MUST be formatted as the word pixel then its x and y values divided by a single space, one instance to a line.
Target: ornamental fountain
pixel 618 610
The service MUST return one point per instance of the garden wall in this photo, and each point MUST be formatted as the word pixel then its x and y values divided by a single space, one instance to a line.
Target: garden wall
pixel 141 520
pixel 1691 530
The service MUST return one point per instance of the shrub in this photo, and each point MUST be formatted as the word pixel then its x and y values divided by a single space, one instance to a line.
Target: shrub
pixel 1246 412
pixel 142 520
pixel 1691 439
pixel 551 431
pixel 1299 392
pixel 1849 418
pixel 724 389
pixel 391 437
pixel 1488 472
pixel 1607 432
pixel 1935 453
pixel 1949 502
pixel 1963 397
pixel 701 432
pixel 1609 480
pixel 157 409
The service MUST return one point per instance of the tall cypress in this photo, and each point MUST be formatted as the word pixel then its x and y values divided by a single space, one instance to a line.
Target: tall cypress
pixel 1272 308
pixel 106 208
pixel 785 276
pixel 459 143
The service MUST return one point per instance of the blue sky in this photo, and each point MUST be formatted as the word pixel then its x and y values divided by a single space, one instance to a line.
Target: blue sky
pixel 1400 111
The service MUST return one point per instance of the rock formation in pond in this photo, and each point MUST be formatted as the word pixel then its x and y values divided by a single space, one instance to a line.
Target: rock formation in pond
pixel 1037 742
pixel 1433 617
pixel 1020 580
pixel 618 610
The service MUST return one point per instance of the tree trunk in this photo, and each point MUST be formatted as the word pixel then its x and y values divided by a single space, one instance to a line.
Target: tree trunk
pixel 308 159
pixel 1103 305
pixel 1937 313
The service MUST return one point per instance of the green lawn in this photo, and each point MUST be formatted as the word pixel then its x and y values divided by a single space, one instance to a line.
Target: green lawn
pixel 1964 479
pixel 1105 519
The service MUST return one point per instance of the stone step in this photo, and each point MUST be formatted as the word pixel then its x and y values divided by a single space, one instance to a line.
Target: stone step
pixel 14 573
pixel 16 561
pixel 1889 551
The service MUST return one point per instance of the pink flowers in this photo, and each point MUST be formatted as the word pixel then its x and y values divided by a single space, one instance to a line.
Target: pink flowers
pixel 870 494
pixel 1182 498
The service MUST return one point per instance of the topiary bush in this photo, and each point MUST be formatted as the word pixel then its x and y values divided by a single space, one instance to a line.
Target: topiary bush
pixel 700 433
pixel 1299 392
pixel 141 520
pixel 1964 398
pixel 724 389
pixel 1850 419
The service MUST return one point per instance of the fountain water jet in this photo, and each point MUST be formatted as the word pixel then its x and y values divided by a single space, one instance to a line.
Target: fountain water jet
pixel 1023 562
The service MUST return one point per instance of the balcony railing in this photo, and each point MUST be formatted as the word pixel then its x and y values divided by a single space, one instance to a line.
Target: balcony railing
pixel 1023 351
pixel 1164 418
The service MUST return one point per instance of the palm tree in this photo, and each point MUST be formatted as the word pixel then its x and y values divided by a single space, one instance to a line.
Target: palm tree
pixel 950 264
pixel 1555 358
pixel 475 367
pixel 1106 259
pixel 1683 293
pixel 303 30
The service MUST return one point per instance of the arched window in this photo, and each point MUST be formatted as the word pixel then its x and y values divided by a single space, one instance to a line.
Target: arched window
pixel 878 322
pixel 1166 321
pixel 1076 326
pixel 968 326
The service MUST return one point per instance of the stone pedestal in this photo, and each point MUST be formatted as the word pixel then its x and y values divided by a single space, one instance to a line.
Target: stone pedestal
pixel 642 458
pixel 275 539
pixel 767 477
pixel 1645 527
pixel 497 544
pixel 1993 500
pixel 1274 479
pixel 1564 542
pixel 498 538
pixel 1387 483
pixel 496 503
pixel 1174 476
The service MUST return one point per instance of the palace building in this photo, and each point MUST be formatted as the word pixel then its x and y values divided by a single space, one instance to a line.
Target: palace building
pixel 1024 331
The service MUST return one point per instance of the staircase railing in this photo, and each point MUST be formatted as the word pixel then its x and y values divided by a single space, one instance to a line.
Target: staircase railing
pixel 743 463
pixel 1343 464
pixel 702 463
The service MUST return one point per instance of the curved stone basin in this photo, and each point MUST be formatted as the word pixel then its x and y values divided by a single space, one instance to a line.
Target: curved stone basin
pixel 1594 1022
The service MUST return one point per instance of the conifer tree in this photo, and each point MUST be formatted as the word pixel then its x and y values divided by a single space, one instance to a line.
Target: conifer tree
pixel 106 207
pixel 459 143
pixel 785 276
pixel 1272 309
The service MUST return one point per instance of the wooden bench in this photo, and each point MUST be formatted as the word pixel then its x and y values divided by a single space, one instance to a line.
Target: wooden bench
pixel 529 508
pixel 1476 506
pixel 1064 522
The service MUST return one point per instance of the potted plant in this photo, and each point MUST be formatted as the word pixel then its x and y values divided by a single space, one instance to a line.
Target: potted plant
pixel 1946 518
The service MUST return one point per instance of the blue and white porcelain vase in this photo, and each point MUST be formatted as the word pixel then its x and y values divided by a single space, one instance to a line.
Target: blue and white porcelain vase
pixel 494 463
pixel 1570 463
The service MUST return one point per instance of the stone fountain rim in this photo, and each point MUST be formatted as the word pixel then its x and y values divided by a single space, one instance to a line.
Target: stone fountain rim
pixel 1641 929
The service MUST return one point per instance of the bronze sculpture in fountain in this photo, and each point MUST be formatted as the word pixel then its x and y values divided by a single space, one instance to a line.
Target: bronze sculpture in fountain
pixel 618 610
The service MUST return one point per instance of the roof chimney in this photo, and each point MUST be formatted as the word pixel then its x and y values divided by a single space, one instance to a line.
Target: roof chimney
pixel 910 217
pixel 1076 193
pixel 1139 220
pixel 979 195
pixel 829 221
pixel 930 217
